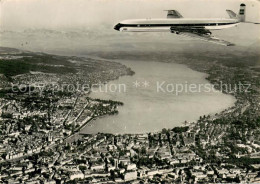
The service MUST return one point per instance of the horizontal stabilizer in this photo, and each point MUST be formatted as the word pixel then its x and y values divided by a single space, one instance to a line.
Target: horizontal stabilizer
pixel 173 14
pixel 231 14
pixel 252 22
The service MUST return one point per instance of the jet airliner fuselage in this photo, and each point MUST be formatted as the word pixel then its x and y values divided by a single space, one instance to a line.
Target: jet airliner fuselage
pixel 192 27
pixel 146 25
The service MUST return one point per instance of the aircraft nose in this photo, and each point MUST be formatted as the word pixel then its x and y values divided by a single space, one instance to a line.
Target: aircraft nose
pixel 117 27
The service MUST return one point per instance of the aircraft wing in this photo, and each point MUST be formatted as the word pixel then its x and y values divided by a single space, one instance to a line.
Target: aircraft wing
pixel 207 38
pixel 200 33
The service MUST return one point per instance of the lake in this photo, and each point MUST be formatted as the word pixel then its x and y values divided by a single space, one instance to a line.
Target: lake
pixel 145 108
pixel 159 95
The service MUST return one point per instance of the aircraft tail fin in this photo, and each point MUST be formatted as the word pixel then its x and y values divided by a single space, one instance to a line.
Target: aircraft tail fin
pixel 242 13
pixel 241 16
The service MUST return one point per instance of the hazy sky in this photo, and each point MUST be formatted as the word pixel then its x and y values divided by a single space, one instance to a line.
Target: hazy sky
pixel 22 14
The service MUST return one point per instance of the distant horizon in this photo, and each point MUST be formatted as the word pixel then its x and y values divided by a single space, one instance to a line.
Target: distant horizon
pixel 56 14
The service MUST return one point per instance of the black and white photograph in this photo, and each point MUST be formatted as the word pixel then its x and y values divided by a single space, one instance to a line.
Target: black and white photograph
pixel 129 91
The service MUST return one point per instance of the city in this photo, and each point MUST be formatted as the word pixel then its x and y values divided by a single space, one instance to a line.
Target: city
pixel 41 141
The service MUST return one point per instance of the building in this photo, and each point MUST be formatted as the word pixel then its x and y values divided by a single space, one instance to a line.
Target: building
pixel 130 176
pixel 76 175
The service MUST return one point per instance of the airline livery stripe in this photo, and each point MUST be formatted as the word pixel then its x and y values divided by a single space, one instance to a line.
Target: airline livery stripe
pixel 174 25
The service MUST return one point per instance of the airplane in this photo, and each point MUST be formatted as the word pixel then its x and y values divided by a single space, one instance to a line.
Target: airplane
pixel 198 28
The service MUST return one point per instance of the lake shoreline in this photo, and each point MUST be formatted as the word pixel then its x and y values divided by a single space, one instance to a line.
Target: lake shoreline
pixel 182 123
